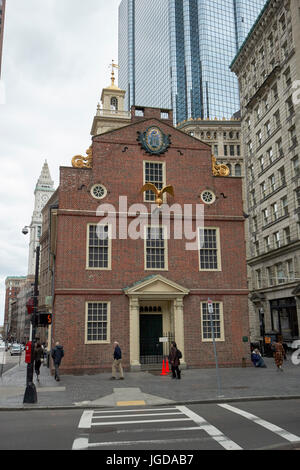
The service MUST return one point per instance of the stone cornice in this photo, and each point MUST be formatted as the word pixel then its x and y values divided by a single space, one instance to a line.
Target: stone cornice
pixel 265 18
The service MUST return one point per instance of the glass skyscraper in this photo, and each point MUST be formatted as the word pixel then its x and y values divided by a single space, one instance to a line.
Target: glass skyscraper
pixel 175 54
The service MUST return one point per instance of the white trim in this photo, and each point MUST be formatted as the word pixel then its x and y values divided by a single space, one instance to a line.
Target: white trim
pixel 217 229
pixel 222 332
pixel 163 174
pixel 165 238
pixel 108 303
pixel 102 186
pixel 87 267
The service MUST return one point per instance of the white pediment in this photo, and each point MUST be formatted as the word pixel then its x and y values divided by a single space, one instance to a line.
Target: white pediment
pixel 156 286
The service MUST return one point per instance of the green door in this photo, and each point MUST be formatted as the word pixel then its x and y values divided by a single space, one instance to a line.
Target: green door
pixel 150 332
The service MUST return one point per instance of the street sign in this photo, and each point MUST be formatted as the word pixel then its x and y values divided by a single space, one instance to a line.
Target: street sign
pixel 210 306
pixel 163 339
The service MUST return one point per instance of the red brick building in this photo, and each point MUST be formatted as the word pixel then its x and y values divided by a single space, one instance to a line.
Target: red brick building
pixel 138 291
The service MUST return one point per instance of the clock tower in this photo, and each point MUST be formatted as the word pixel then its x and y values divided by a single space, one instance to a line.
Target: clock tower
pixel 43 191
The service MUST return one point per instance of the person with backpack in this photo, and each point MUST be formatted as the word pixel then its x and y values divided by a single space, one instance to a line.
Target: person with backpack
pixel 174 359
pixel 57 354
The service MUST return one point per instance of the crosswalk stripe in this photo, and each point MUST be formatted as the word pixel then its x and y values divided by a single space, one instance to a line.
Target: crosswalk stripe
pixel 266 424
pixel 139 410
pixel 86 419
pixel 211 430
pixel 106 423
pixel 140 414
pixel 82 443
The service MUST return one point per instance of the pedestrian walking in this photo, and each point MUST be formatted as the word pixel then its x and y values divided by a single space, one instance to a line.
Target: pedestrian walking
pixel 38 355
pixel 174 359
pixel 57 354
pixel 117 362
pixel 279 354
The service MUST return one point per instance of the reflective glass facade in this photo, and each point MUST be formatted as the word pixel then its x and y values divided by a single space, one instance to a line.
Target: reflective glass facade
pixel 176 54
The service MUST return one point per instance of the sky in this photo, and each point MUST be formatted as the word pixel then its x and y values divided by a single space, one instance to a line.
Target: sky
pixel 56 58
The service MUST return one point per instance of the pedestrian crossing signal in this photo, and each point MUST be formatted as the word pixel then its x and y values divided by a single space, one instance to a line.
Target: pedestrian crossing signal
pixel 44 318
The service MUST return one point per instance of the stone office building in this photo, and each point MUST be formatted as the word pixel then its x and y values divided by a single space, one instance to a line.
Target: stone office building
pixel 109 285
pixel 268 67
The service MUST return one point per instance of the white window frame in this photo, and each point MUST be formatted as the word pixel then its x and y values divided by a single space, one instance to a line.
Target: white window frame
pixel 163 174
pixel 107 341
pixel 217 229
pixel 93 268
pixel 221 321
pixel 165 237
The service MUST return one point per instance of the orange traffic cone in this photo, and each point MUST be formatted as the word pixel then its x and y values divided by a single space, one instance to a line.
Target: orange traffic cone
pixel 167 367
pixel 163 370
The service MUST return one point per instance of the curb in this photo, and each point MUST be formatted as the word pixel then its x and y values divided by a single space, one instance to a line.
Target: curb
pixel 175 403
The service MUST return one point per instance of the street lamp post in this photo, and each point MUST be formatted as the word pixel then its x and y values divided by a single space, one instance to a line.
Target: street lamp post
pixel 30 395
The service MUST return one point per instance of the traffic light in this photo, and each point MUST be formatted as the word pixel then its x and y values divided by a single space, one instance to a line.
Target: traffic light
pixel 30 305
pixel 44 318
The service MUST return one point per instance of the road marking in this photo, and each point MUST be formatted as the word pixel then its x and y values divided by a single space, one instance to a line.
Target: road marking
pixel 185 428
pixel 131 403
pixel 83 443
pixel 138 409
pixel 140 421
pixel 211 430
pixel 86 419
pixel 141 414
pixel 261 422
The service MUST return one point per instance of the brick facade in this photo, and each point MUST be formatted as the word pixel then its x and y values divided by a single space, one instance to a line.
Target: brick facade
pixel 118 165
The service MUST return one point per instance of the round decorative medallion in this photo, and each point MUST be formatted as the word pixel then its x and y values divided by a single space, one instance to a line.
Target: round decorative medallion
pixel 154 141
pixel 98 191
pixel 208 197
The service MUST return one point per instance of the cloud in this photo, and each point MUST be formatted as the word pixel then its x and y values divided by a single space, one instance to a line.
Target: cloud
pixel 55 63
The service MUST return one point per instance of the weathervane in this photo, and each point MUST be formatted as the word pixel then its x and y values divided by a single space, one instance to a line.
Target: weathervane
pixel 113 66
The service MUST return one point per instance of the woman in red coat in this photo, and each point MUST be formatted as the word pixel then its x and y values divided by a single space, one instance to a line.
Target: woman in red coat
pixel 279 355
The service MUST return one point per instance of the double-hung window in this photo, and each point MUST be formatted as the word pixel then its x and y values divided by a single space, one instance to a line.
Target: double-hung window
pixel 98 247
pixel 156 248
pixel 209 251
pixel 154 172
pixel 212 320
pixel 97 322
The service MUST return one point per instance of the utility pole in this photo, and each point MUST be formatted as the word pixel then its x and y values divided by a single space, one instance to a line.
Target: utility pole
pixel 30 395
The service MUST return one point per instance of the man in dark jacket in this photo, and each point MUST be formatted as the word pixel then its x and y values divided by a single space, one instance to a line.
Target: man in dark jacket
pixel 117 363
pixel 57 354
pixel 174 361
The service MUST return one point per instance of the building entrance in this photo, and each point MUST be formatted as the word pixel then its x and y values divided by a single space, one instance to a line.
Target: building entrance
pixel 151 351
pixel 284 317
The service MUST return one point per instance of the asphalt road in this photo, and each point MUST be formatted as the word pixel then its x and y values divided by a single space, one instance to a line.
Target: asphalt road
pixel 255 425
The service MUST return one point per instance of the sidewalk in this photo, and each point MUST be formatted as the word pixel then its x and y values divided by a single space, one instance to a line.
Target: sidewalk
pixel 150 388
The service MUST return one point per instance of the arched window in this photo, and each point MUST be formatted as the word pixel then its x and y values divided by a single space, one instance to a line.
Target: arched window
pixel 229 166
pixel 238 170
pixel 114 103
